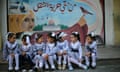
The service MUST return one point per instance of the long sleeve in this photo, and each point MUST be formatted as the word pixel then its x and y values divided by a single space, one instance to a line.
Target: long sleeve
pixel 16 51
pixel 91 47
pixel 80 51
pixel 94 46
pixel 66 46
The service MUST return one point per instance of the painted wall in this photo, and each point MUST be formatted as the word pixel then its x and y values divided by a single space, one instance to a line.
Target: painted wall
pixel 116 11
pixel 109 37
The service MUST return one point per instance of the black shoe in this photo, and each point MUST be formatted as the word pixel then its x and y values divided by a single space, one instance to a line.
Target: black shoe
pixel 40 70
pixel 10 70
pixel 93 67
pixel 35 69
pixel 17 71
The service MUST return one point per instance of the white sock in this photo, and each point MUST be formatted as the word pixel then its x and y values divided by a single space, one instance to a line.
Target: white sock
pixel 10 62
pixel 93 60
pixel 82 66
pixel 64 59
pixel 51 61
pixel 59 59
pixel 46 65
pixel 40 63
pixel 75 61
pixel 36 63
pixel 17 61
pixel 87 61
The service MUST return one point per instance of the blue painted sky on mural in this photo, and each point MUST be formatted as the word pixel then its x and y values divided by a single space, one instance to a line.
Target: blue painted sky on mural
pixel 44 14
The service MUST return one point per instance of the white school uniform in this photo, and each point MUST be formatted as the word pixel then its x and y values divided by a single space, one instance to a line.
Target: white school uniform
pixel 75 54
pixel 62 46
pixel 51 50
pixel 27 49
pixel 8 49
pixel 38 59
pixel 92 48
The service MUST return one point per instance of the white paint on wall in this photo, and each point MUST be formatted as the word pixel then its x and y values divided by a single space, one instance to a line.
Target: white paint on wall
pixel 109 26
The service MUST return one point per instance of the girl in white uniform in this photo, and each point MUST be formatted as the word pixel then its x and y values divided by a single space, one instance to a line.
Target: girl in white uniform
pixel 11 51
pixel 26 54
pixel 62 46
pixel 75 52
pixel 91 50
pixel 38 50
pixel 51 49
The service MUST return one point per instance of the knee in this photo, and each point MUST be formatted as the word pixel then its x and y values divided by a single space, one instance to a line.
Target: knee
pixel 93 54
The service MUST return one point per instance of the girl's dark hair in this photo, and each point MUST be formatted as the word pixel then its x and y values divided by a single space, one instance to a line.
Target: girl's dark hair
pixel 92 37
pixel 24 37
pixel 37 36
pixel 76 34
pixel 10 35
pixel 53 37
pixel 58 38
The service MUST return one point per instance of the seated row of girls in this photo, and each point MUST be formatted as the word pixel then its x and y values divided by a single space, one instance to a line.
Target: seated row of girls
pixel 44 53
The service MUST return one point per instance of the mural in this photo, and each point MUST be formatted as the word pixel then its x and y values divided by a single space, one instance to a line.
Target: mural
pixel 84 16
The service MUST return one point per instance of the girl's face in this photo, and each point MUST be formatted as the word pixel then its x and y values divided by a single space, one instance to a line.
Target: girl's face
pixel 50 40
pixel 24 42
pixel 73 38
pixel 40 40
pixel 88 39
pixel 62 39
pixel 12 39
pixel 28 23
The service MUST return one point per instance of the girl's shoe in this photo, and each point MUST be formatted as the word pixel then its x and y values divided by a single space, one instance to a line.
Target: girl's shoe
pixel 59 66
pixel 53 67
pixel 30 70
pixel 64 66
pixel 10 68
pixel 24 70
pixel 70 68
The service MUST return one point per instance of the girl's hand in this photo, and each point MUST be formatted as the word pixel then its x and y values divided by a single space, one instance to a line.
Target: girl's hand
pixel 64 52
pixel 12 54
pixel 80 60
pixel 45 56
pixel 88 54
pixel 23 53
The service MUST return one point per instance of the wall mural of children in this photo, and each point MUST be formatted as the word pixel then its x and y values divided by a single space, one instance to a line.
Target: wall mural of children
pixel 83 16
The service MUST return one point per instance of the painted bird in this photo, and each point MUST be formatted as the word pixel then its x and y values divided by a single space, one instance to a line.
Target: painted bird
pixel 85 11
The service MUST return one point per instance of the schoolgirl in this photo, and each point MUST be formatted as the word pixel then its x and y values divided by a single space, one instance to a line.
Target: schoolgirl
pixel 11 51
pixel 26 54
pixel 75 52
pixel 50 52
pixel 91 50
pixel 38 50
pixel 62 46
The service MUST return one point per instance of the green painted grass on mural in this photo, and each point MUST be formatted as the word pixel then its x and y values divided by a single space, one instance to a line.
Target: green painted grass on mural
pixel 40 27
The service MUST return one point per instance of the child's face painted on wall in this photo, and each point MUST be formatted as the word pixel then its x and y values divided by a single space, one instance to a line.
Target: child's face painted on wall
pixel 12 39
pixel 28 23
pixel 73 38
